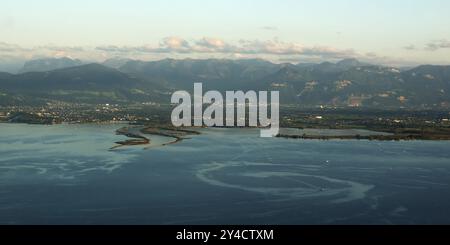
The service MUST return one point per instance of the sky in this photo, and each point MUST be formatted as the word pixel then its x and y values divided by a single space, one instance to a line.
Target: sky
pixel 392 32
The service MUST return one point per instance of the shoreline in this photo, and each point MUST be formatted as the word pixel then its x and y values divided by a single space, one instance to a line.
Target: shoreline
pixel 137 135
pixel 379 134
pixel 179 134
pixel 370 138
pixel 136 139
pixel 176 133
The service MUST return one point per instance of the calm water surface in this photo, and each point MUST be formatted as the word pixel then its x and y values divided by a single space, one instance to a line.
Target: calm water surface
pixel 67 174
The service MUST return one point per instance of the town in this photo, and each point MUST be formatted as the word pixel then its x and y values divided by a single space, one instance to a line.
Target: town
pixel 235 100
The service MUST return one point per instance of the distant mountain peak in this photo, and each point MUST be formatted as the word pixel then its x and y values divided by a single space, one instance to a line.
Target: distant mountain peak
pixel 115 62
pixel 48 64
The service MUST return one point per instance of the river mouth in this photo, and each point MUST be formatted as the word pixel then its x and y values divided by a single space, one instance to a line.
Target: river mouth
pixel 66 174
pixel 150 137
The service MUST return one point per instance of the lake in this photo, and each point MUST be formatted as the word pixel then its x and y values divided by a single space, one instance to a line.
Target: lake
pixel 68 174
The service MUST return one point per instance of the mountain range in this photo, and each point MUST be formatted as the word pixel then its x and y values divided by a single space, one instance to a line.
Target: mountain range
pixel 49 64
pixel 346 83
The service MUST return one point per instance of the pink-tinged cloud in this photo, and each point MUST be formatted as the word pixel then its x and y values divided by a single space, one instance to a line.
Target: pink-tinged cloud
pixel 219 46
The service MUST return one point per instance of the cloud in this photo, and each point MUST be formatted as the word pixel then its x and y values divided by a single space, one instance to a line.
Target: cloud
pixel 210 45
pixel 328 52
pixel 173 44
pixel 7 47
pixel 16 49
pixel 276 47
pixel 437 44
pixel 269 47
pixel 166 45
pixel 61 48
pixel 15 52
pixel 110 48
pixel 175 47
